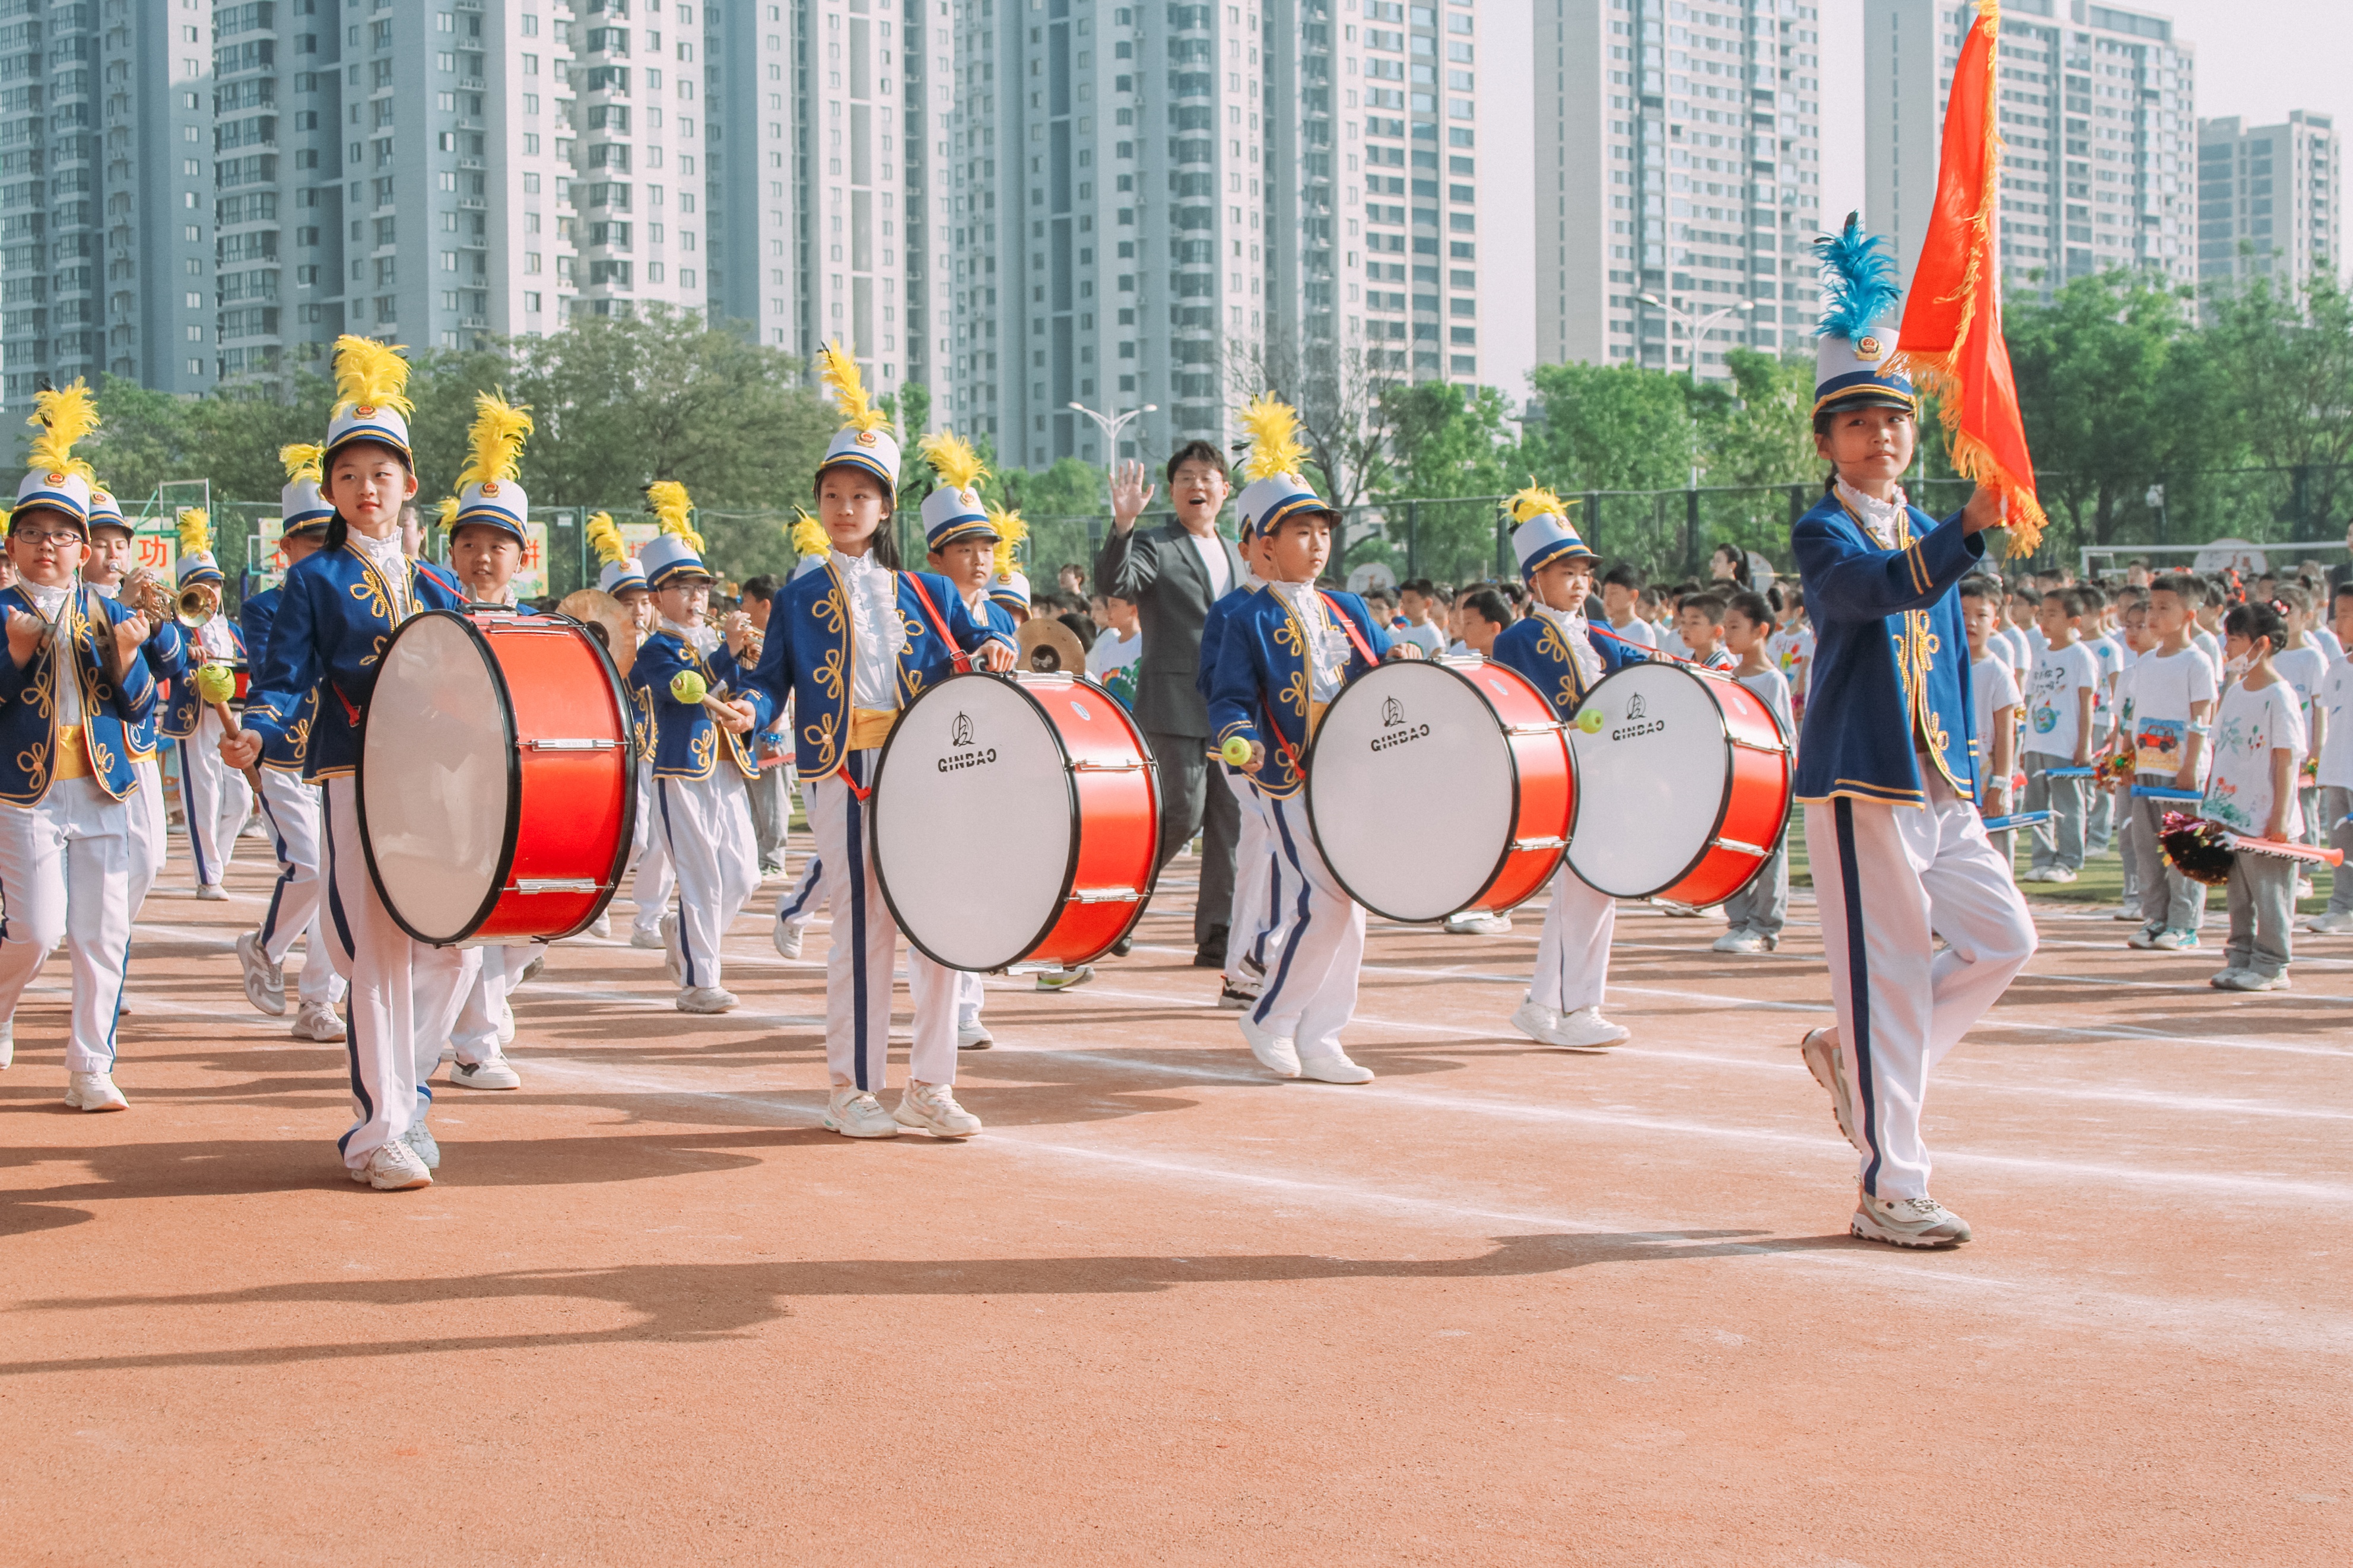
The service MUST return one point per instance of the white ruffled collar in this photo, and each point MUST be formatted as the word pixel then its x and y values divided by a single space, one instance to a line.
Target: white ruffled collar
pixel 1879 517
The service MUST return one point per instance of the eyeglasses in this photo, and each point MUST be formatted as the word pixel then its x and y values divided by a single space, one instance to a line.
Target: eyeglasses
pixel 37 537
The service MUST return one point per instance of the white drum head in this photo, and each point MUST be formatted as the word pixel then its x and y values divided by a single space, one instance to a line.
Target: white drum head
pixel 1649 782
pixel 973 824
pixel 434 778
pixel 1411 789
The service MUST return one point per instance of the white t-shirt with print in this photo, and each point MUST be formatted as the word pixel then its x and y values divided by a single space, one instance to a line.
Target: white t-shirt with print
pixel 2336 705
pixel 2110 657
pixel 2054 701
pixel 2163 688
pixel 2302 668
pixel 1636 630
pixel 2248 725
pixel 1992 688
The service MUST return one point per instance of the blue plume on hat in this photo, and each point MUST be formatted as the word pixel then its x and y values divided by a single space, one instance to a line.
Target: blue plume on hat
pixel 1858 279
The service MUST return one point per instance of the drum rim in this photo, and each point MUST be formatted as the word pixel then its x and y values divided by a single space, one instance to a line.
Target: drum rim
pixel 1723 802
pixel 1061 902
pixel 481 647
pixel 1503 858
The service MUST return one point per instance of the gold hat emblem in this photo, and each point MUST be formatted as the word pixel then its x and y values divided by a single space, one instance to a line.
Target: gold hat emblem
pixel 55 478
pixel 490 488
pixel 363 410
pixel 866 437
pixel 1868 348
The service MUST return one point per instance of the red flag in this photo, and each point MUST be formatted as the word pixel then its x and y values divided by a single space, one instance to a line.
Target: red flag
pixel 1951 336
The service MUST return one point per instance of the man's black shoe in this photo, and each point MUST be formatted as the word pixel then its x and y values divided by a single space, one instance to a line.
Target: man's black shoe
pixel 1124 946
pixel 1212 954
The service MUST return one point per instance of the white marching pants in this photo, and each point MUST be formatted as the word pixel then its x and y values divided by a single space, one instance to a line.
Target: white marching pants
pixel 656 877
pixel 1311 980
pixel 483 1012
pixel 64 873
pixel 215 797
pixel 403 992
pixel 151 835
pixel 290 809
pixel 1573 952
pixel 865 944
pixel 1255 928
pixel 801 905
pixel 706 825
pixel 1889 880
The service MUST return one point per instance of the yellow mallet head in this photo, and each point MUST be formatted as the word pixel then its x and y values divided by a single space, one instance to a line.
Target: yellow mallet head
pixel 687 687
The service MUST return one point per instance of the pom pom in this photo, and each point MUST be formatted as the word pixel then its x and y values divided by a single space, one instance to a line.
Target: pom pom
pixel 1534 503
pixel 2197 848
pixel 63 415
pixel 370 374
pixel 216 682
pixel 809 537
pixel 953 458
pixel 1273 429
pixel 195 531
pixel 1010 532
pixel 301 459
pixel 687 687
pixel 839 372
pixel 668 501
pixel 606 539
pixel 1858 280
pixel 494 444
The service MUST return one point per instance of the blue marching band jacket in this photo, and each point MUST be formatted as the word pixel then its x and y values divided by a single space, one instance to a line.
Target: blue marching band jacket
pixel 1260 676
pixel 681 740
pixel 166 653
pixel 1890 667
pixel 1213 632
pixel 284 749
pixel 29 700
pixel 1536 648
pixel 327 639
pixel 182 709
pixel 808 658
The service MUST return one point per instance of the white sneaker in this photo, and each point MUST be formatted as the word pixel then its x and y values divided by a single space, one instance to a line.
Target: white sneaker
pixel 94 1091
pixel 506 1030
pixel 318 1021
pixel 2131 912
pixel 1275 1052
pixel 394 1168
pixel 1473 924
pixel 854 1113
pixel 1537 1021
pixel 601 928
pixel 1908 1222
pixel 2059 874
pixel 705 999
pixel 421 1142
pixel 932 1107
pixel 1680 912
pixel 1239 997
pixel 2302 887
pixel 973 1037
pixel 490 1072
pixel 1587 1029
pixel 2330 925
pixel 1824 1060
pixel 2252 980
pixel 1743 940
pixel 265 983
pixel 1333 1067
pixel 212 892
pixel 673 956
pixel 2035 874
pixel 1063 979
pixel 787 938
pixel 645 939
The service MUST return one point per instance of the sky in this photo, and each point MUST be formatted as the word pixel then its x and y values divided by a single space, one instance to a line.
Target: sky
pixel 2256 59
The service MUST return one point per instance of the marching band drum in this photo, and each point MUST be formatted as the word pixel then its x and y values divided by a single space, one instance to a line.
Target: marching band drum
pixel 497 789
pixel 1049 773
pixel 1440 787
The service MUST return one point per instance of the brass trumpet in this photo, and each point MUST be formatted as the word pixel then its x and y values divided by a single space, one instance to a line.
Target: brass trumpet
pixel 196 604
pixel 149 594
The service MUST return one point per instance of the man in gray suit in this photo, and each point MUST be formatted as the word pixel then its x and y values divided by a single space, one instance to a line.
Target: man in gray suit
pixel 1172 574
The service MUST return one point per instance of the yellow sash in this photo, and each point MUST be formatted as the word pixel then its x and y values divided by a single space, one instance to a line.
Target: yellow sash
pixel 870 727
pixel 73 757
pixel 1316 717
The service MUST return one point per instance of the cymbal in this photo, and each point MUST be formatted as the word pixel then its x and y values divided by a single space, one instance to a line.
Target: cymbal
pixel 1049 647
pixel 608 620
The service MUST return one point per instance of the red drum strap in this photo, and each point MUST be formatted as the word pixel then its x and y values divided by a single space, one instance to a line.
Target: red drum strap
pixel 1349 626
pixel 963 659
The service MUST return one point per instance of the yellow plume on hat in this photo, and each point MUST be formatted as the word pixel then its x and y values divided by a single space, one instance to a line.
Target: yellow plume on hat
pixel 494 444
pixel 837 371
pixel 809 537
pixel 370 374
pixel 953 458
pixel 63 415
pixel 1010 532
pixel 670 504
pixel 1273 427
pixel 301 459
pixel 1536 501
pixel 606 539
pixel 195 531
pixel 446 511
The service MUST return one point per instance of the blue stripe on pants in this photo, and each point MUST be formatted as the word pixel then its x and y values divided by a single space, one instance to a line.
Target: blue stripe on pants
pixel 1858 982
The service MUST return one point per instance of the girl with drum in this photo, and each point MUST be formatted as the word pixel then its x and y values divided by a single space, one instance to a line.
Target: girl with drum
pixel 689 682
pixel 1564 657
pixel 339 610
pixel 851 644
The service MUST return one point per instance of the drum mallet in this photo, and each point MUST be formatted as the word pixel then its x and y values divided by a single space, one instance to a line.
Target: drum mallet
pixel 215 684
pixel 688 687
pixel 1235 751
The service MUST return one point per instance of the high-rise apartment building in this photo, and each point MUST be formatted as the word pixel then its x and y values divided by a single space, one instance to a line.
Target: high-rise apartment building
pixel 2269 201
pixel 1678 178
pixel 2097 112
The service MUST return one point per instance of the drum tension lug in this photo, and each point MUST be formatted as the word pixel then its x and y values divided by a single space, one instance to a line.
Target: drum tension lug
pixel 1519 844
pixel 1737 848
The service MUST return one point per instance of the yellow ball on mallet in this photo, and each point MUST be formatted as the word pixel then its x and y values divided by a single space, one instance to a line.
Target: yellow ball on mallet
pixel 687 687
pixel 216 682
pixel 1590 720
pixel 1236 752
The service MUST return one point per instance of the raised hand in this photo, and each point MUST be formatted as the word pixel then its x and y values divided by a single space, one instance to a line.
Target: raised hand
pixel 1129 494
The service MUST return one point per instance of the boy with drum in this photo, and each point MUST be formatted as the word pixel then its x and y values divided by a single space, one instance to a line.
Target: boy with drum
pixel 72 688
pixel 1282 656
pixel 691 685
pixel 1262 900
pixel 290 803
pixel 852 643
pixel 1887 766
pixel 1564 657
pixel 340 607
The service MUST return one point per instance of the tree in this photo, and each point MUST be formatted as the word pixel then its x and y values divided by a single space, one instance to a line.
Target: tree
pixel 1445 442
pixel 1598 429
pixel 2288 362
pixel 1337 393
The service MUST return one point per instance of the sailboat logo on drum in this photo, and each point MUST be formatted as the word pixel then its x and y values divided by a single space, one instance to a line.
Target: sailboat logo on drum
pixel 960 732
pixel 1392 713
pixel 1637 721
pixel 1635 707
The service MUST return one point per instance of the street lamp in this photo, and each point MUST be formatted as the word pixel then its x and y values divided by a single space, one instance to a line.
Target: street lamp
pixel 1697 331
pixel 1110 425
